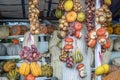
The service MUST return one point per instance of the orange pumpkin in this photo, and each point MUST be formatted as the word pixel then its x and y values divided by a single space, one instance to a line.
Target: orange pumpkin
pixel 101 31
pixel 15 30
pixel 71 16
pixel 30 77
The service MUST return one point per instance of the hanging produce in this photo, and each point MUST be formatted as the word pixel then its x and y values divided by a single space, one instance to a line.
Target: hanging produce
pixel 30 54
pixel 103 15
pixel 34 16
pixel 82 70
pixel 77 56
pixel 90 14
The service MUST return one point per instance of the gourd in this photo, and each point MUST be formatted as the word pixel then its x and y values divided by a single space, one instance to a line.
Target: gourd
pixel 2 49
pixel 4 31
pixel 117 45
pixel 13 49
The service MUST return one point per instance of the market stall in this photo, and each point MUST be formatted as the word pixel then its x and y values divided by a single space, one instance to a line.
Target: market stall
pixel 59 40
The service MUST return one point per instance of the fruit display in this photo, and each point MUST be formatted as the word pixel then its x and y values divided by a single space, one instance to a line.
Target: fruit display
pixel 33 16
pixel 30 54
pixel 35 69
pixel 47 70
pixel 9 65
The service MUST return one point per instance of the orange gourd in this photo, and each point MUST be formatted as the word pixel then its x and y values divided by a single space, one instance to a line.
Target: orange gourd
pixel 78 26
pixel 15 30
pixel 71 16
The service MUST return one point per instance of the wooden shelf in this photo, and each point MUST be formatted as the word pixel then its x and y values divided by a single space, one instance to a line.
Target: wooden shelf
pixel 9 57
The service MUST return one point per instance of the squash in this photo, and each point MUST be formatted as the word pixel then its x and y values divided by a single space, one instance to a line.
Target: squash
pixel 4 31
pixel 2 49
pixel 116 45
pixel 13 49
pixel 15 30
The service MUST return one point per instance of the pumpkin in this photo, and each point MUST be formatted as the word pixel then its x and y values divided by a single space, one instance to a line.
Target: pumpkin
pixel 71 16
pixel 15 30
pixel 2 50
pixel 4 31
pixel 30 77
pixel 13 49
pixel 101 31
pixel 116 45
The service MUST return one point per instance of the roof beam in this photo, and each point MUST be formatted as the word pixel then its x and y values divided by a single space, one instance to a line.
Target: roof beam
pixel 23 7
